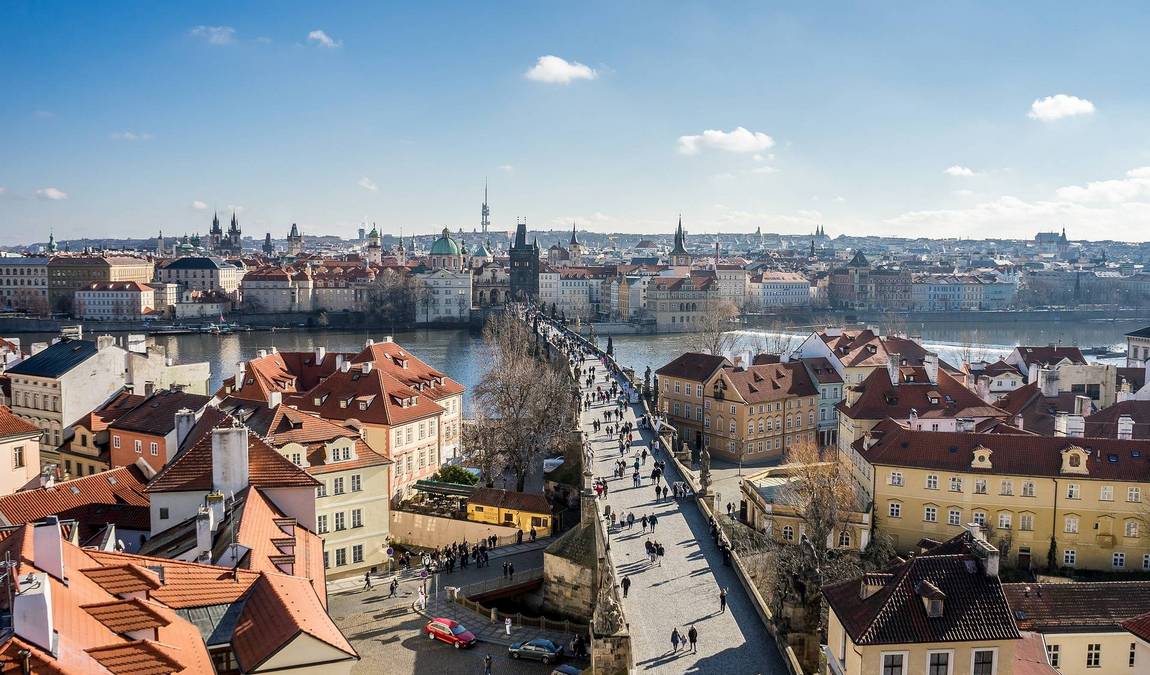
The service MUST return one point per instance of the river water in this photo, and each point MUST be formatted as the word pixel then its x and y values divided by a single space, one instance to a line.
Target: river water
pixel 462 355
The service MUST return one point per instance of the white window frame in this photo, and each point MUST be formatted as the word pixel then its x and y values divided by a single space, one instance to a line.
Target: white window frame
pixel 993 661
pixel 949 660
pixel 882 661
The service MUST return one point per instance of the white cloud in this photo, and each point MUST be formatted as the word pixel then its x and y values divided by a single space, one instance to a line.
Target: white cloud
pixel 764 169
pixel 963 193
pixel 322 39
pixel 506 168
pixel 554 70
pixel 1059 106
pixel 215 35
pixel 839 199
pixel 960 171
pixel 131 136
pixel 367 184
pixel 737 140
pixel 199 205
pixel 1135 184
pixel 51 193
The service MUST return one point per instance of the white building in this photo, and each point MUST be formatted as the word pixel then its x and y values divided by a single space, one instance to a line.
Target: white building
pixel 115 301
pixel 784 289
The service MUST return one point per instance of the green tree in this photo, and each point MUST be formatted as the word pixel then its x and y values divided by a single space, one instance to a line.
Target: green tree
pixel 455 474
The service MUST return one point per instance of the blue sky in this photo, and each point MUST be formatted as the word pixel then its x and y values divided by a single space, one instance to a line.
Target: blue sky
pixel 943 119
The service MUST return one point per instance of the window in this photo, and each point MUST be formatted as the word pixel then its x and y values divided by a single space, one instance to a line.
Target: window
pixel 845 539
pixel 1007 488
pixel 1054 655
pixel 896 478
pixel 321 491
pixel 356 483
pixel 1071 525
pixel 1094 655
pixel 357 517
pixel 337 486
pixel 1106 494
pixel 154 448
pixel 895 510
pixel 325 560
pixel 357 553
pixel 18 457
pixel 1027 488
pixel 340 524
pixel 1118 560
pixel 1133 651
pixel 1146 561
pixel 1026 522
pixel 163 513
pixel 1069 557
pixel 321 523
pixel 138 446
pixel 340 557
pixel 930 514
pixel 932 481
pixel 955 484
pixel 1004 521
pixel 788 533
pixel 892 664
pixel 1133 494
pixel 1131 528
pixel 938 663
pixel 983 662
pixel 979 517
pixel 678 388
pixel 954 517
pixel 1072 491
pixel 980 486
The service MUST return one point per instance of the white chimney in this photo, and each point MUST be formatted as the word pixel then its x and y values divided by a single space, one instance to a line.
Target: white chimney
pixel 105 341
pixel 1060 423
pixel 1048 382
pixel 185 420
pixel 230 460
pixel 387 338
pixel 930 363
pixel 204 530
pixel 320 353
pixel 216 506
pixel 1082 405
pixel 1032 373
pixel 345 366
pixel 366 367
pixel 339 361
pixel 369 343
pixel 261 353
pixel 275 398
pixel 892 367
pixel 273 349
pixel 32 611
pixel 1125 427
pixel 48 546
pixel 239 374
pixel 982 387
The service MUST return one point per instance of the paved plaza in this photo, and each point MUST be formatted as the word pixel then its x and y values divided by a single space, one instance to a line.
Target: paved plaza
pixel 684 590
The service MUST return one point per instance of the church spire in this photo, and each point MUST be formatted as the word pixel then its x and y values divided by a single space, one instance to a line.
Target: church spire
pixel 574 237
pixel 485 212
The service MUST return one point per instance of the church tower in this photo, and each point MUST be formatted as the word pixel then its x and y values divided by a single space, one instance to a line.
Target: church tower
pixel 524 265
pixel 269 250
pixel 216 234
pixel 374 247
pixel 679 255
pixel 294 242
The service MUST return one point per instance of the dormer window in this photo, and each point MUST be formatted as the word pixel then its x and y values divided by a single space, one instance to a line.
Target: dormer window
pixel 981 458
pixel 1074 460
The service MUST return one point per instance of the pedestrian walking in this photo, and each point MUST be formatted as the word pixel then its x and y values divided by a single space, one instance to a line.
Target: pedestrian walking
pixel 367 580
pixel 630 520
pixel 626 584
pixel 511 571
pixel 505 564
pixel 654 521
pixel 644 522
pixel 392 588
pixel 487 665
pixel 693 638
pixel 722 600
pixel 675 639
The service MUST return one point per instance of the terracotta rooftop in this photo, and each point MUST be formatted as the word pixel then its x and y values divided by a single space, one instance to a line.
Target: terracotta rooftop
pixel 1099 606
pixel 770 382
pixel 1104 423
pixel 1049 355
pixel 156 415
pixel 123 486
pixel 693 366
pixel 947 398
pixel 11 425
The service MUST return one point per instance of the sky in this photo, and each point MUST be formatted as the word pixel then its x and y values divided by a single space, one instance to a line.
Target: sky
pixel 960 119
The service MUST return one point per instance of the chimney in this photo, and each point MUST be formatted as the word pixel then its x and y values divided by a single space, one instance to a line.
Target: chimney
pixel 339 361
pixel 240 374
pixel 216 504
pixel 975 531
pixel 982 387
pixel 275 398
pixel 1060 423
pixel 32 616
pixel 386 338
pixel 1082 405
pixel 149 388
pixel 1032 373
pixel 185 420
pixel 48 546
pixel 965 424
pixel 230 459
pixel 261 353
pixel 366 367
pixel 1125 427
pixel 105 341
pixel 369 343
pixel 273 349
pixel 345 366
pixel 204 530
pixel 320 353
pixel 930 362
pixel 912 419
pixel 1048 382
pixel 892 367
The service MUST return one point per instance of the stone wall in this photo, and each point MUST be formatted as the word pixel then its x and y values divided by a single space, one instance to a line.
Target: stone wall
pixel 568 588
pixel 418 529
pixel 610 654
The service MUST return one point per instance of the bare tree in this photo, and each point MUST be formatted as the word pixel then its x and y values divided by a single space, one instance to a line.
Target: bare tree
pixel 713 334
pixel 773 339
pixel 520 402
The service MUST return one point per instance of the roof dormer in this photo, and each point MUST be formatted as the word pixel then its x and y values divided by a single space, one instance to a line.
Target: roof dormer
pixel 1074 460
pixel 932 598
pixel 981 458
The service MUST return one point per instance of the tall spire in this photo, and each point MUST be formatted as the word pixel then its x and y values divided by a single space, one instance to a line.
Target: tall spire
pixel 485 212
pixel 574 238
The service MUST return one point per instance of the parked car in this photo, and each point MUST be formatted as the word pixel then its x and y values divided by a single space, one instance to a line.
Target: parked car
pixel 567 669
pixel 451 632
pixel 539 650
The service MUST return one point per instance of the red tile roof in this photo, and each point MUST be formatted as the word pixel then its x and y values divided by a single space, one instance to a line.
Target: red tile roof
pixel 138 657
pixel 693 366
pixel 1097 606
pixel 11 425
pixel 1049 355
pixel 771 382
pixel 1139 627
pixel 123 486
pixel 1104 423
pixel 945 399
pixel 124 616
pixel 373 397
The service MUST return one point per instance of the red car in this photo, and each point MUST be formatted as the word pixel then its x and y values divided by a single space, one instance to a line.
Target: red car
pixel 451 632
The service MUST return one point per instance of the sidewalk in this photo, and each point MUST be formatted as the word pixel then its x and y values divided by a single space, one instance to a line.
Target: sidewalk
pixel 355 583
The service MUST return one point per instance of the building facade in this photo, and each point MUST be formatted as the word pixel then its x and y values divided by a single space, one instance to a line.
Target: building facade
pixel 24 284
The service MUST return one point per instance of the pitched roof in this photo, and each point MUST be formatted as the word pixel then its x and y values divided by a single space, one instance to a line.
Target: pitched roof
pixel 120 487
pixel 945 399
pixel 367 394
pixel 1104 423
pixel 191 469
pixel 822 370
pixel 770 381
pixel 1049 355
pixel 56 360
pixel 693 366
pixel 1080 606
pixel 408 369
pixel 1013 454
pixel 156 415
pixel 974 607
pixel 1139 626
pixel 1141 332
pixel 11 425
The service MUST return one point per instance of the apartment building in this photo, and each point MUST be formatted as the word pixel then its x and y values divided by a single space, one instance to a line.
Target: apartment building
pixel 679 304
pixel 757 413
pixel 769 509
pixel 149 431
pixel 202 273
pixel 681 384
pixel 784 289
pixel 19 452
pixel 69 273
pixel 24 283
pixel 1046 502
pixel 115 301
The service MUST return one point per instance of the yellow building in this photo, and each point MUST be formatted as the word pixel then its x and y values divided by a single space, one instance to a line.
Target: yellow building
pixel 770 511
pixel 69 273
pixel 510 509
pixel 681 384
pixel 941 613
pixel 1077 500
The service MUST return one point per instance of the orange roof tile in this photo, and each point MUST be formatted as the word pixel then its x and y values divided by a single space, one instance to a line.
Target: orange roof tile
pixel 138 657
pixel 123 579
pixel 123 616
pixel 121 486
pixel 11 425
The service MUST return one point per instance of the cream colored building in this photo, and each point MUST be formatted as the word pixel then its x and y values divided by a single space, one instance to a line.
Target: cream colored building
pixel 770 511
pixel 19 452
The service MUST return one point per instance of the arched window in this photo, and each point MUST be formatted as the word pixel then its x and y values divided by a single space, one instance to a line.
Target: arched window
pixel 845 539
pixel 788 533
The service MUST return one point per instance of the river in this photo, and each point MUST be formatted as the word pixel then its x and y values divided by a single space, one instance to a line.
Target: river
pixel 461 353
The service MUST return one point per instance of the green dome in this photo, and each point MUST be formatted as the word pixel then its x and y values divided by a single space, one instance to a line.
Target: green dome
pixel 445 245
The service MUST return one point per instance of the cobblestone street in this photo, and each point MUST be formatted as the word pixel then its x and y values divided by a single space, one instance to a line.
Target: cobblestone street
pixel 682 591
